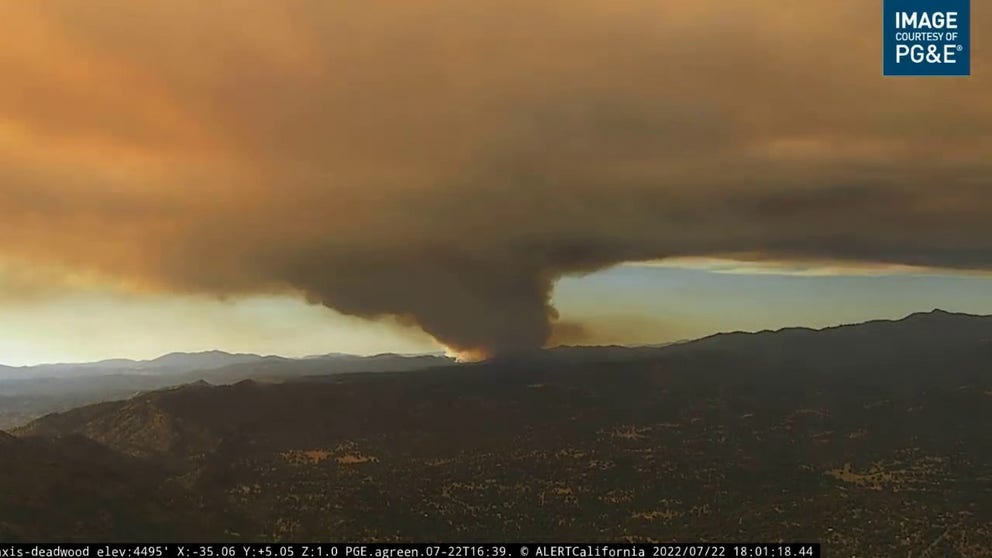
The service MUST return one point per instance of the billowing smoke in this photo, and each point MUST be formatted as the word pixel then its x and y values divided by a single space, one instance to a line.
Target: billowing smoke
pixel 445 162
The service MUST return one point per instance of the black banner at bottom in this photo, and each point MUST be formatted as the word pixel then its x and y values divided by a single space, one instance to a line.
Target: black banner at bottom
pixel 413 550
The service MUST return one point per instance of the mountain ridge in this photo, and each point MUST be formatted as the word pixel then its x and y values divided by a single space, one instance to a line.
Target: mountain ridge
pixel 26 394
pixel 744 345
pixel 185 356
pixel 936 312
pixel 25 399
pixel 871 452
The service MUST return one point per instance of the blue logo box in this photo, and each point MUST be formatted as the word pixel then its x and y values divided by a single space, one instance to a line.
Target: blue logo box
pixel 926 37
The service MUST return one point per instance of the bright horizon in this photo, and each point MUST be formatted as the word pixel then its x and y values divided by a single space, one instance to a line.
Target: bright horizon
pixel 146 327
pixel 309 177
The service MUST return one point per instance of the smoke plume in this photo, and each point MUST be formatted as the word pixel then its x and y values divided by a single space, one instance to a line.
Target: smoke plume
pixel 446 162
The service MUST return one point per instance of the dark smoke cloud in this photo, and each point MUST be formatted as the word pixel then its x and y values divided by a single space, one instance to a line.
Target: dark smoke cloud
pixel 446 162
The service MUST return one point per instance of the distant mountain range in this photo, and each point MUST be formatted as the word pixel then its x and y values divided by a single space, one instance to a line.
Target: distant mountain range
pixel 174 363
pixel 871 438
pixel 961 328
pixel 32 391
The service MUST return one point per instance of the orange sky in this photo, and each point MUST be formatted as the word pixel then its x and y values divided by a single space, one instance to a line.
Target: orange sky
pixel 446 162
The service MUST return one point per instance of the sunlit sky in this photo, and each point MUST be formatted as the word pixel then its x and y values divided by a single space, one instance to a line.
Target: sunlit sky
pixel 312 176
pixel 629 304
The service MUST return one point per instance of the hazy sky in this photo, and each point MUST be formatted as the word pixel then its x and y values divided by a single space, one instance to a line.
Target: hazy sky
pixel 309 176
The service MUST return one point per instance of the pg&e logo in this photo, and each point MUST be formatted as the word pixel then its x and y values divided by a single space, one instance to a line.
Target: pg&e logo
pixel 926 37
